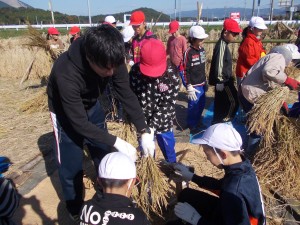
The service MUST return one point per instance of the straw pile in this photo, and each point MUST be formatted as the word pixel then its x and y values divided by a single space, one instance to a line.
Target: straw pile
pixel 277 162
pixel 38 103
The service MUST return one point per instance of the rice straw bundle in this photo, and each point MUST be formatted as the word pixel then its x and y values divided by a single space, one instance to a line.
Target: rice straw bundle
pixel 152 190
pixel 264 112
pixel 39 102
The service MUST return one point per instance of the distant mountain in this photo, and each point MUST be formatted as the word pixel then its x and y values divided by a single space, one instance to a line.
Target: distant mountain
pixel 208 14
pixel 13 4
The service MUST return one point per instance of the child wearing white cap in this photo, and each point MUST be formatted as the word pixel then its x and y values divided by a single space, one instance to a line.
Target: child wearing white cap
pixel 239 198
pixel 117 176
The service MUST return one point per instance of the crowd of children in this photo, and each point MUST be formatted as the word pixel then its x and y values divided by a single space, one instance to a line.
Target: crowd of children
pixel 148 94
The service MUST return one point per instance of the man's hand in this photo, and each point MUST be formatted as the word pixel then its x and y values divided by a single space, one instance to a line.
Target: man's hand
pixel 125 148
pixel 192 93
pixel 187 212
pixel 183 171
pixel 292 83
pixel 148 144
pixel 220 87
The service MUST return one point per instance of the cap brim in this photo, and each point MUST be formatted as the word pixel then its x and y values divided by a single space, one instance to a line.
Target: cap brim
pixel 199 141
pixel 296 55
pixel 172 31
pixel 237 30
pixel 152 71
pixel 135 23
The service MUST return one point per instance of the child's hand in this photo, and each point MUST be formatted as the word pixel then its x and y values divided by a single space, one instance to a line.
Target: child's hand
pixel 183 171
pixel 187 212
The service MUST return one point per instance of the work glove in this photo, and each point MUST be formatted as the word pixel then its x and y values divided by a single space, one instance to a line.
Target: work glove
pixel 147 143
pixel 187 213
pixel 285 109
pixel 192 93
pixel 183 171
pixel 220 86
pixel 125 148
pixel 131 63
pixel 292 83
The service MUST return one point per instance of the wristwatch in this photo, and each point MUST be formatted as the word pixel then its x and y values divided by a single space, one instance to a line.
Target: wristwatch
pixel 146 130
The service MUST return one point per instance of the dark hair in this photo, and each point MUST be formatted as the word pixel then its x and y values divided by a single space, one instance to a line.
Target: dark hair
pixel 104 46
pixel 112 183
pixel 244 33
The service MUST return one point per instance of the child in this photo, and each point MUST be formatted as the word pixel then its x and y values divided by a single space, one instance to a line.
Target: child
pixel 75 33
pixel 137 20
pixel 251 48
pixel 226 100
pixel 53 39
pixel 176 46
pixel 239 200
pixel 156 87
pixel 117 176
pixel 128 34
pixel 194 69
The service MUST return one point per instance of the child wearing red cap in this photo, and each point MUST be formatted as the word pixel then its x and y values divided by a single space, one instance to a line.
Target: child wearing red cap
pixel 138 22
pixel 194 71
pixel 176 46
pixel 220 75
pixel 75 33
pixel 156 87
pixel 53 39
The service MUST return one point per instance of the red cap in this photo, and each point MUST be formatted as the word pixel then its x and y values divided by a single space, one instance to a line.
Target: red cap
pixel 153 61
pixel 137 18
pixel 232 25
pixel 173 26
pixel 74 30
pixel 53 31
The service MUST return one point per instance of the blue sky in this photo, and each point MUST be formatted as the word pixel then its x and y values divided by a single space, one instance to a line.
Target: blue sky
pixel 80 7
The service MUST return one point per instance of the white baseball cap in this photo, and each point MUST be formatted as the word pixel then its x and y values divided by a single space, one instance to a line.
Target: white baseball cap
pixel 110 19
pixel 257 22
pixel 127 33
pixel 117 165
pixel 293 49
pixel 221 136
pixel 198 32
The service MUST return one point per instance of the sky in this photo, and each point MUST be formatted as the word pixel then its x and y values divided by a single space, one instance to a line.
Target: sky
pixel 80 7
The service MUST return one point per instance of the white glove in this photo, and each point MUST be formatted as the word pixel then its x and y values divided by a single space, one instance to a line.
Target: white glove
pixel 131 63
pixel 220 87
pixel 187 212
pixel 125 148
pixel 183 171
pixel 148 144
pixel 192 93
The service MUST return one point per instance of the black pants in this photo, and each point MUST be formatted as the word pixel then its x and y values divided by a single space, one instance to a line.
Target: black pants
pixel 206 205
pixel 226 103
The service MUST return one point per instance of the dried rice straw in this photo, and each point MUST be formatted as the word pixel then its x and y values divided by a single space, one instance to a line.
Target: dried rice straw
pixel 39 102
pixel 266 109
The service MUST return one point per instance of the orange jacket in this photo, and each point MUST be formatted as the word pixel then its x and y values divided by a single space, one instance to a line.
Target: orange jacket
pixel 250 52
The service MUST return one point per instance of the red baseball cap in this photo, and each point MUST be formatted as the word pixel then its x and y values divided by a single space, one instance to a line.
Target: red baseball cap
pixel 74 30
pixel 53 31
pixel 153 61
pixel 232 25
pixel 173 26
pixel 137 18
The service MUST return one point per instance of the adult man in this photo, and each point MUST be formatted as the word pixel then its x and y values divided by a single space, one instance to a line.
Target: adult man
pixel 78 119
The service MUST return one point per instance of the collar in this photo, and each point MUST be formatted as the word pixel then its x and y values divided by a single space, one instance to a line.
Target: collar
pixel 238 168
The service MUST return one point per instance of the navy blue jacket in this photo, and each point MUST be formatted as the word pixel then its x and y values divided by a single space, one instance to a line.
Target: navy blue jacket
pixel 239 193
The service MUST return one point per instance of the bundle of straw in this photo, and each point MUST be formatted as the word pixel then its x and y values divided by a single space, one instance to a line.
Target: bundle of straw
pixel 152 191
pixel 39 102
pixel 266 109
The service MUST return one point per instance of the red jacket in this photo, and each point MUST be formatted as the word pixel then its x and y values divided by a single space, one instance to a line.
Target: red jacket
pixel 249 53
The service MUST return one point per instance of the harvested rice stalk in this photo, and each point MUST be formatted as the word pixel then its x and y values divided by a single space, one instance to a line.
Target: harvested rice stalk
pixel 278 165
pixel 152 190
pixel 39 102
pixel 264 112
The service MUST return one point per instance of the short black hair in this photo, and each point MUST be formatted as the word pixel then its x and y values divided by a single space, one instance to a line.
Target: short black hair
pixel 104 46
pixel 112 183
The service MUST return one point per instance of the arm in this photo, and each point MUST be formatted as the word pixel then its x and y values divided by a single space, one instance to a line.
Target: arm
pixel 187 66
pixel 9 198
pixel 250 54
pixel 274 69
pixel 208 183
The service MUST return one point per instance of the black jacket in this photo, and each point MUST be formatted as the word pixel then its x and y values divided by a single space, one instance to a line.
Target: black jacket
pixel 221 64
pixel 194 65
pixel 74 88
pixel 111 209
pixel 239 193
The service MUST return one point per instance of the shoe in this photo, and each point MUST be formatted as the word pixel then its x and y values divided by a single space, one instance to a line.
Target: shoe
pixel 75 218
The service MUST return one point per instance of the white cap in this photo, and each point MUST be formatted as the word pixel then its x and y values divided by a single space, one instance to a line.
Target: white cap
pixel 117 165
pixel 257 22
pixel 110 19
pixel 198 32
pixel 127 33
pixel 221 136
pixel 293 49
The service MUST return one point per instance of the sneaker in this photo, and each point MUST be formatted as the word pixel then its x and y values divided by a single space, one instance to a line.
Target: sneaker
pixel 75 218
